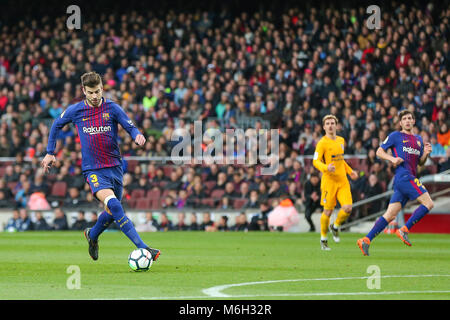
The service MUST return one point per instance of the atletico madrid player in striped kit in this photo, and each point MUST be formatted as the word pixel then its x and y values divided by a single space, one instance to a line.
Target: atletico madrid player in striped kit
pixel 408 151
pixel 96 120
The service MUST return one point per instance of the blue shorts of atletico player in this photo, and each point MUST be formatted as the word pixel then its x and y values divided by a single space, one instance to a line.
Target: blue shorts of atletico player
pixel 407 188
pixel 106 178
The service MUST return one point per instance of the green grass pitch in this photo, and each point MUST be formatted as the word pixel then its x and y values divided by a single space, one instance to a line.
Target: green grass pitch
pixel 225 265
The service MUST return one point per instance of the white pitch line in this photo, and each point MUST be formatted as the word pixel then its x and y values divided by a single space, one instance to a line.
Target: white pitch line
pixel 367 293
pixel 216 292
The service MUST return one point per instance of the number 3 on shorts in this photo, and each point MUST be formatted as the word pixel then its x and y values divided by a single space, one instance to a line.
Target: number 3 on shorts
pixel 94 178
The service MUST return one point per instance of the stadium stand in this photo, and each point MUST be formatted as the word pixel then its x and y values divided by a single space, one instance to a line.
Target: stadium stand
pixel 273 66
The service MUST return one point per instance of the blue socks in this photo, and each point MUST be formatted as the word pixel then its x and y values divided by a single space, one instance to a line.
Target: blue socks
pixel 379 226
pixel 381 223
pixel 103 222
pixel 418 214
pixel 125 224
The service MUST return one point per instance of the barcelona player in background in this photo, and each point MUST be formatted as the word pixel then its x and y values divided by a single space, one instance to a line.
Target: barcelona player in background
pixel 329 159
pixel 96 120
pixel 408 151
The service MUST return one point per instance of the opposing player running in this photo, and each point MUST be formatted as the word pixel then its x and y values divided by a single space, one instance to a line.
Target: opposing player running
pixel 334 186
pixel 408 151
pixel 96 120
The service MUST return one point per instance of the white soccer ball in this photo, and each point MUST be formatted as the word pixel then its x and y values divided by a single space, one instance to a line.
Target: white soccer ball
pixel 140 260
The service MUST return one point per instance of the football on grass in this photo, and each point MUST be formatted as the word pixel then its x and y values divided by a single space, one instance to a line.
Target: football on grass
pixel 140 260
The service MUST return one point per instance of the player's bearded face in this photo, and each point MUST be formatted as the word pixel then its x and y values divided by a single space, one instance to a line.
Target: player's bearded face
pixel 93 95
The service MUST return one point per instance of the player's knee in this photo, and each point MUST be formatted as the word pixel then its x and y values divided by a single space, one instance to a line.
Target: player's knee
pixel 429 205
pixel 327 212
pixel 347 209
pixel 112 203
pixel 389 217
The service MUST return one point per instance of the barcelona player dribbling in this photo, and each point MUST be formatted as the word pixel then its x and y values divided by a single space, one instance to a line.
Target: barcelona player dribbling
pixel 408 151
pixel 96 120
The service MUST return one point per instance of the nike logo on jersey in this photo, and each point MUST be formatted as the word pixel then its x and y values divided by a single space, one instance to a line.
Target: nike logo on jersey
pixel 405 141
pixel 84 119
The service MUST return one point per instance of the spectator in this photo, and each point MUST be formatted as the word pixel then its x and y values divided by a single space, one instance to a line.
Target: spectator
pixel 225 203
pixel 6 191
pixel 443 136
pixel 74 200
pixel 221 225
pixel 206 222
pixel 25 221
pixel 311 199
pixel 23 194
pixel 41 224
pixel 253 202
pixel 444 162
pixel 174 183
pixel 60 220
pixel 168 203
pixel 241 223
pixel 80 223
pixel 438 149
pixel 259 220
pixel 4 203
pixel 150 224
pixel 14 222
pixel 284 216
pixel 372 188
pixel 165 224
pixel 181 225
pixel 193 226
pixel 93 220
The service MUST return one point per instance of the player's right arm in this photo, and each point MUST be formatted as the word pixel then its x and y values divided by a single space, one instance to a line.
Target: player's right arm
pixel 382 150
pixel 318 162
pixel 57 125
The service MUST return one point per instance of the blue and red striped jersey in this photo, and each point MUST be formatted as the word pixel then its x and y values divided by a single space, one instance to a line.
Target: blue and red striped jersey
pixel 98 131
pixel 409 147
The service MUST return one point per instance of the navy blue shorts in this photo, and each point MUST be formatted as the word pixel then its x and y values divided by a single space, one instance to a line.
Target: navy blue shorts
pixel 106 178
pixel 407 188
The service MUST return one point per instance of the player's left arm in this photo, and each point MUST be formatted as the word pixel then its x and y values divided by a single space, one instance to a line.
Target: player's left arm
pixel 352 173
pixel 129 126
pixel 426 150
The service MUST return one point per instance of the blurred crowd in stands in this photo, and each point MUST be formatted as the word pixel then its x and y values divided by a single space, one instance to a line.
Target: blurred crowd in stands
pixel 22 220
pixel 283 67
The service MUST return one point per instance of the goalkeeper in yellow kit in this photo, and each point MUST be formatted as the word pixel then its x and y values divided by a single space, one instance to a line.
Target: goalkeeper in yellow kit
pixel 329 159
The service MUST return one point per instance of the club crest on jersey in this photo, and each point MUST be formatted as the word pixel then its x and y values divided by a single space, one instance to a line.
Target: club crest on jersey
pixel 105 116
pixel 418 143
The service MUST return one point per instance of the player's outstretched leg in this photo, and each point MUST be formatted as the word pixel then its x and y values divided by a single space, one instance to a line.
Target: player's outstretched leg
pixel 364 242
pixel 379 226
pixel 126 226
pixel 402 233
pixel 418 214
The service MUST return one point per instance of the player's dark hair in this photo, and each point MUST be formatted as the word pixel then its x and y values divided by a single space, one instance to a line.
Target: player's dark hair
pixel 405 112
pixel 91 79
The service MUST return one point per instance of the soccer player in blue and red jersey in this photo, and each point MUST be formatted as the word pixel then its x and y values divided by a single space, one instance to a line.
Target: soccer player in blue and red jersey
pixel 96 120
pixel 408 151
